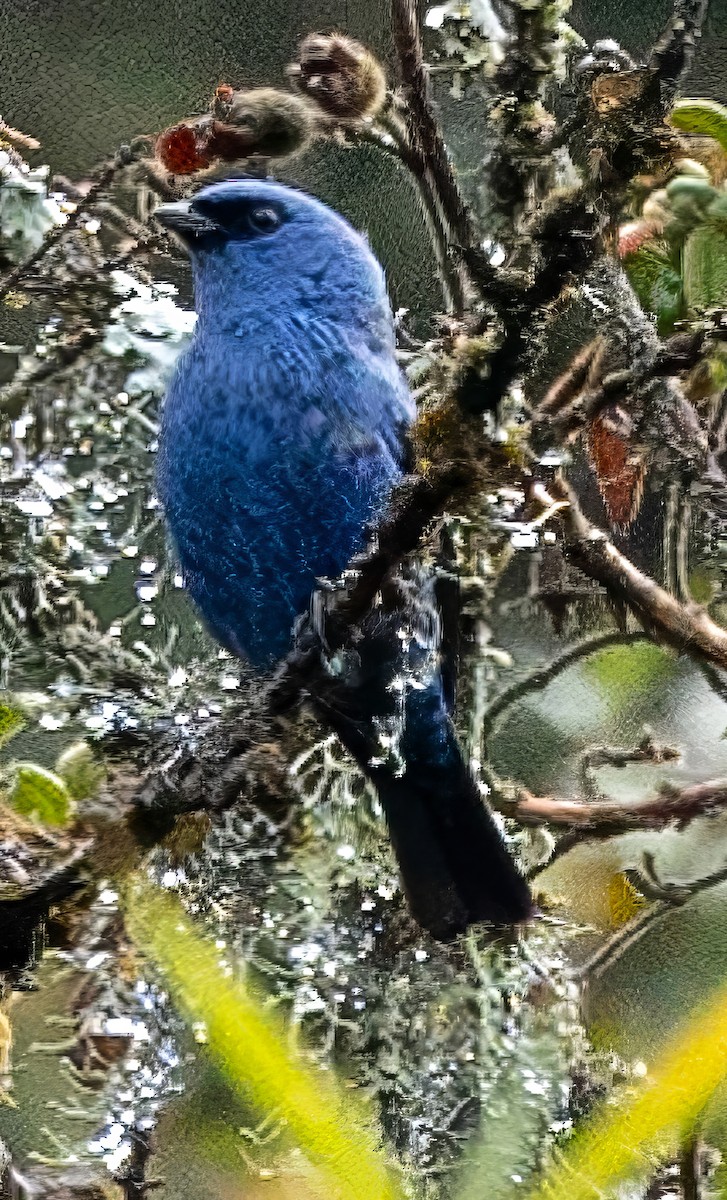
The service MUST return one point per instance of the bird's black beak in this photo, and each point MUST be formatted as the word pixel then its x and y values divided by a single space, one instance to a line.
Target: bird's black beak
pixel 183 220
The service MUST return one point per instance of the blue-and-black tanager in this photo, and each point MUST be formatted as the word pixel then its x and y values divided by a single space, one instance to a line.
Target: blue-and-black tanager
pixel 282 434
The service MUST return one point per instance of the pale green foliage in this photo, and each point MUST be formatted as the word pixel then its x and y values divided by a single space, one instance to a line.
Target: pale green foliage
pixel 704 117
pixel 625 1142
pixel 331 1127
pixel 80 770
pixel 40 795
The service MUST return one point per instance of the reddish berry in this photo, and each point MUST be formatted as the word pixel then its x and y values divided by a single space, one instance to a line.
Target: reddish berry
pixel 183 149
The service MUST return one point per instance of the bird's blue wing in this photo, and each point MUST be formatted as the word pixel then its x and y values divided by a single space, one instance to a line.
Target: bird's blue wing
pixel 271 484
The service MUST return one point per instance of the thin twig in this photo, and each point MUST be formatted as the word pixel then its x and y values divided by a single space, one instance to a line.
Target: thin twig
pixel 428 156
pixel 607 818
pixel 646 751
pixel 622 940
pixel 104 178
pixel 630 933
pixel 392 140
pixel 542 676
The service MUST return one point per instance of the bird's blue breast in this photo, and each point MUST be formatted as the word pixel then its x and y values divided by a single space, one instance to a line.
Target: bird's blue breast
pixel 273 459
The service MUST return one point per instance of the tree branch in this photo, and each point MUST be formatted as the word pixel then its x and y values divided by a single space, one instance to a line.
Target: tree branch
pixel 607 818
pixel 687 627
pixel 673 53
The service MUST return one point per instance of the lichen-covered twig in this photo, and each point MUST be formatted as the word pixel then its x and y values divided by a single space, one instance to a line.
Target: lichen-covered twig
pixel 520 123
pixel 672 55
pixel 102 181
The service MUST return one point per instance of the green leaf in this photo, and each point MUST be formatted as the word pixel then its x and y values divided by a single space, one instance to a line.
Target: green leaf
pixel 80 770
pixel 716 214
pixel 657 283
pixel 12 721
pixel 330 1126
pixel 717 361
pixel 689 201
pixel 40 795
pixel 704 260
pixel 633 668
pixel 704 117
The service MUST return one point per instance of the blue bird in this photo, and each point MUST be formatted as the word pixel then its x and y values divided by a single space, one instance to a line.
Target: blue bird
pixel 282 434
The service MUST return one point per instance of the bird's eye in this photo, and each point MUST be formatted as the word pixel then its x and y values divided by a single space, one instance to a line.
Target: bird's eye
pixel 264 219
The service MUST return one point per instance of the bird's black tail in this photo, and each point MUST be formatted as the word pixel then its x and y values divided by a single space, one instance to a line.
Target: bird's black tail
pixel 454 864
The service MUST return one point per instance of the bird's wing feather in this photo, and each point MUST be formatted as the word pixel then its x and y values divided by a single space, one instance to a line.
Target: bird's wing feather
pixel 271 482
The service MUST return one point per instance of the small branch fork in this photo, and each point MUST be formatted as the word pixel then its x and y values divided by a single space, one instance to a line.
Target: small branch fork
pixel 101 182
pixel 19 272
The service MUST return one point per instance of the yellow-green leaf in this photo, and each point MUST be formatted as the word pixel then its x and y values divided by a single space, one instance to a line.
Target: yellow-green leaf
pixel 705 268
pixel 11 722
pixel 330 1126
pixel 80 770
pixel 704 117
pixel 40 795
pixel 657 283
pixel 625 1141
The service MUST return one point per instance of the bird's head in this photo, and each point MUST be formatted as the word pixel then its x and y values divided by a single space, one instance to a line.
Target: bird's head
pixel 258 246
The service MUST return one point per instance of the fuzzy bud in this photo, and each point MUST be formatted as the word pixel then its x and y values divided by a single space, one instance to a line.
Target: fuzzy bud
pixel 340 75
pixel 269 122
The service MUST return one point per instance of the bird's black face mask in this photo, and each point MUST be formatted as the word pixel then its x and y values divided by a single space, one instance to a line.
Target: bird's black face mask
pixel 207 221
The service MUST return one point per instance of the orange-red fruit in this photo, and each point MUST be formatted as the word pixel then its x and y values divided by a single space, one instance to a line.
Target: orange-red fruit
pixel 184 149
